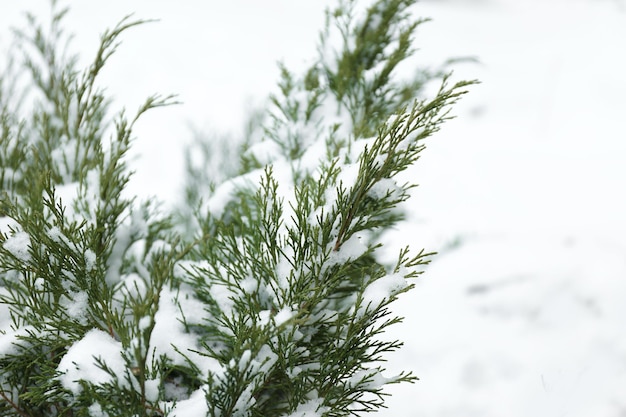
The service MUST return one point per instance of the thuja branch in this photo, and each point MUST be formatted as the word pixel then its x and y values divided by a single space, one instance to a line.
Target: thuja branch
pixel 396 147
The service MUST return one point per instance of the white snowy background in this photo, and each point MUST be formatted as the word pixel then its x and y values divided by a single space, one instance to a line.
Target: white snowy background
pixel 523 313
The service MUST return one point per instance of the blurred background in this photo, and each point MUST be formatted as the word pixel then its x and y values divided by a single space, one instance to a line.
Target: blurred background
pixel 523 312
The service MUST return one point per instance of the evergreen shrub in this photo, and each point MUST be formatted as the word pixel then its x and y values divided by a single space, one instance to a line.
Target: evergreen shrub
pixel 263 293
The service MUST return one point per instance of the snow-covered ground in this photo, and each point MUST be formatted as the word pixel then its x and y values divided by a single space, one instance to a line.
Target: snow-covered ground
pixel 523 313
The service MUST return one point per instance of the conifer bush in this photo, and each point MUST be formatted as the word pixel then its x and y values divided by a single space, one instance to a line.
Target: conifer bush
pixel 263 293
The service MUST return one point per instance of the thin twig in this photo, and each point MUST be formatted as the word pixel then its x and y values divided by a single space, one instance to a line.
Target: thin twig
pixel 7 399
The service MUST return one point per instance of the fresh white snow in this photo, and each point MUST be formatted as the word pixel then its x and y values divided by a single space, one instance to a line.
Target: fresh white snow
pixel 19 245
pixel 81 362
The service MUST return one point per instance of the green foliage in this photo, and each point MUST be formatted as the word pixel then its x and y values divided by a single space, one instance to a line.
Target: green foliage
pixel 263 295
